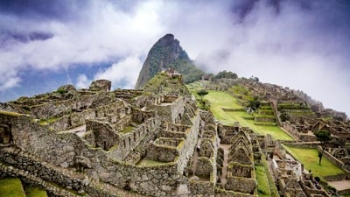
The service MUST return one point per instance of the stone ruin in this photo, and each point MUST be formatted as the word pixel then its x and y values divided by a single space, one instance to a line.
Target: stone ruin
pixel 291 177
pixel 98 142
pixel 154 142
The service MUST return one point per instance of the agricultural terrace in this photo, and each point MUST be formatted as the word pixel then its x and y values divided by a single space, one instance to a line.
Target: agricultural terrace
pixel 219 100
pixel 309 157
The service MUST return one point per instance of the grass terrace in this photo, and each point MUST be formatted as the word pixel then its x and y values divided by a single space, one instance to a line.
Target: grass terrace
pixel 219 100
pixel 309 157
pixel 263 183
pixel 11 187
pixel 241 91
pixel 35 192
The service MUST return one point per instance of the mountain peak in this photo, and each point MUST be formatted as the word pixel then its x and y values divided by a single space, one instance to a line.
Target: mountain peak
pixel 167 53
pixel 168 36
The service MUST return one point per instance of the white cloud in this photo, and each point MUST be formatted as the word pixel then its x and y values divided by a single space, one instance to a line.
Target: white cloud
pixel 82 81
pixel 294 48
pixel 122 73
pixel 104 34
pixel 303 48
pixel 9 83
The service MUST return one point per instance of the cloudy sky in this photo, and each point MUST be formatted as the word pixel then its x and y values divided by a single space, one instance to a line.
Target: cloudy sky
pixel 301 44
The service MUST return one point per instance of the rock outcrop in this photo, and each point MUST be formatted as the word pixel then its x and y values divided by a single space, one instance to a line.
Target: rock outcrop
pixel 100 85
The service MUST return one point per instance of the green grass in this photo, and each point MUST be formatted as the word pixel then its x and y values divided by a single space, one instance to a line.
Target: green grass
pixel 11 187
pixel 309 157
pixel 263 183
pixel 148 162
pixel 128 129
pixel 9 113
pixel 35 192
pixel 271 183
pixel 47 121
pixel 264 116
pixel 219 100
pixel 228 118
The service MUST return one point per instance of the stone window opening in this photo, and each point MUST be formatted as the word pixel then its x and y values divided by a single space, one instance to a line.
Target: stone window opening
pixel 104 145
pixel 5 135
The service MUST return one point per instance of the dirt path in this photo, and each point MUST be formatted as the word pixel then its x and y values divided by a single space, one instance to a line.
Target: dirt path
pixel 223 180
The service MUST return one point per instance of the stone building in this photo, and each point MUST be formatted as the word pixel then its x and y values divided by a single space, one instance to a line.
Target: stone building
pixel 152 142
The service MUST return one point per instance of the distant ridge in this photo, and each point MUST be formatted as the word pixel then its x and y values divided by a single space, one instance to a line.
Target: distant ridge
pixel 167 53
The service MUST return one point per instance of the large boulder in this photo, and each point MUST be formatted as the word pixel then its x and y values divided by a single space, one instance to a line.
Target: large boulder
pixel 100 85
pixel 66 88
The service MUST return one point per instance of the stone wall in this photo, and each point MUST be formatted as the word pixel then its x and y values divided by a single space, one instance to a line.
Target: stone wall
pixel 204 167
pixel 338 177
pixel 190 143
pixel 330 157
pixel 291 129
pixel 226 133
pixel 264 119
pixel 241 184
pixel 29 179
pixel 226 193
pixel 25 162
pixel 162 152
pixel 302 144
pixel 113 111
pixel 127 93
pixel 117 173
pixel 171 112
pixel 200 188
pixel 57 181
pixel 129 141
pixel 103 134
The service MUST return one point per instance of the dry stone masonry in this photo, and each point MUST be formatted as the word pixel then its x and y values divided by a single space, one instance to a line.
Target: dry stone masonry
pixel 157 142
pixel 151 142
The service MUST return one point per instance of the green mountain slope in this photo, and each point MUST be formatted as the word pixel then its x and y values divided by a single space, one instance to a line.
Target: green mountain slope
pixel 167 53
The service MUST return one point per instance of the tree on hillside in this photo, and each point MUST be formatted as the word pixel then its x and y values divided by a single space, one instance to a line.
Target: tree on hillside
pixel 226 74
pixel 203 103
pixel 254 104
pixel 323 136
pixel 202 93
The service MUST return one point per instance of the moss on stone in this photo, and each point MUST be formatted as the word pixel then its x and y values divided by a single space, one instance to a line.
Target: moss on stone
pixel 148 162
pixel 127 129
pixel 10 113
